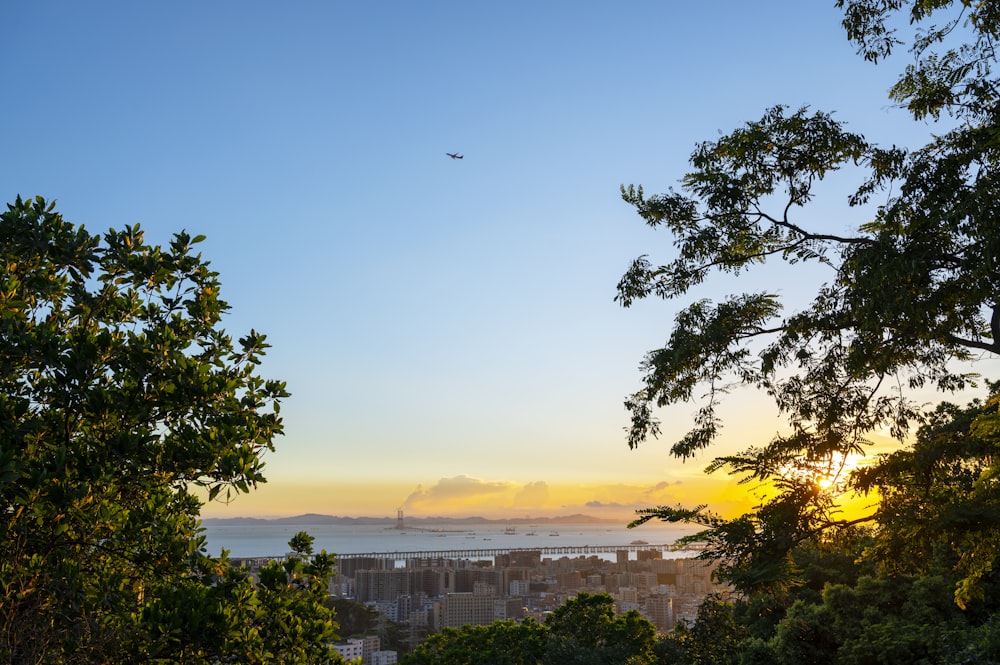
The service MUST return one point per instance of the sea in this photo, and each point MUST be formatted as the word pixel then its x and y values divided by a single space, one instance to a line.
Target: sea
pixel 270 539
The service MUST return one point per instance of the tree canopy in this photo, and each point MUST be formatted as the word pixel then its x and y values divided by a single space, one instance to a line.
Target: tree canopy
pixel 122 398
pixel 910 296
pixel 584 629
pixel 917 585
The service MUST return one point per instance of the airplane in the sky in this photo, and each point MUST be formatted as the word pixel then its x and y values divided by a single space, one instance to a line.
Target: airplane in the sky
pixel 454 155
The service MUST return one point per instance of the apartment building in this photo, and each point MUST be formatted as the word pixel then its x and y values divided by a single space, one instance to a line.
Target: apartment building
pixel 428 594
pixel 367 649
pixel 464 608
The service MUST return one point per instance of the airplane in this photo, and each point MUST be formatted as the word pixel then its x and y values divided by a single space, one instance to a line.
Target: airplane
pixel 454 155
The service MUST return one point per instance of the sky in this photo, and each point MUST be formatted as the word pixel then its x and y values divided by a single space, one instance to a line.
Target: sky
pixel 447 328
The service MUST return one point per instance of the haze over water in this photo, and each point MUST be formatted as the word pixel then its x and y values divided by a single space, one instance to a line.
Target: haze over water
pixel 271 539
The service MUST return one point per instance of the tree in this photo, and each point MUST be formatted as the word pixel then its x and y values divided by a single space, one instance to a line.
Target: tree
pixel 909 296
pixel 715 637
pixel 120 399
pixel 223 616
pixel 898 621
pixel 939 503
pixel 294 622
pixel 585 629
pixel 499 643
pixel 582 630
pixel 357 620
pixel 885 592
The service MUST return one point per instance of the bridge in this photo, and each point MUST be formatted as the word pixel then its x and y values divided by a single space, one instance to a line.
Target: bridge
pixel 493 552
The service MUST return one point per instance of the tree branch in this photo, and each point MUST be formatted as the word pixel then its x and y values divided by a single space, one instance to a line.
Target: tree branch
pixel 806 235
pixel 975 344
pixel 843 524
pixel 995 325
pixel 750 257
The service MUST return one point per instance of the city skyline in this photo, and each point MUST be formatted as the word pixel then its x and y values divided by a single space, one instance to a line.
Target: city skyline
pixel 446 326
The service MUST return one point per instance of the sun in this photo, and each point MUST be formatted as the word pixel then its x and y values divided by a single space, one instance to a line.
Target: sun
pixel 829 474
pixel 825 483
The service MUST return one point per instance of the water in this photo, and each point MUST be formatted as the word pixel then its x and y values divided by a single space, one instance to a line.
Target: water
pixel 271 539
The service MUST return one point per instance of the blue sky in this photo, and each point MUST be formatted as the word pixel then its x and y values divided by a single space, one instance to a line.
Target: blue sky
pixel 447 328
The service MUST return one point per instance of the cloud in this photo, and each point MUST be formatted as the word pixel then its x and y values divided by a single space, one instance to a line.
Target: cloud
pixel 662 492
pixel 532 495
pixel 601 505
pixel 457 488
pixel 662 485
pixel 624 499
pixel 623 495
pixel 464 495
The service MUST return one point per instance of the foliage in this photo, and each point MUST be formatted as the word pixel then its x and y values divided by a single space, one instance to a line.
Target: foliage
pixel 887 592
pixel 294 622
pixel 227 617
pixel 714 638
pixel 939 505
pixel 502 642
pixel 583 630
pixel 907 294
pixel 907 299
pixel 120 398
pixel 878 620
pixel 357 620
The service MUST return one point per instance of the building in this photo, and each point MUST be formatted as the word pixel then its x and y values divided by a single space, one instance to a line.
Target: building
pixel 383 658
pixel 367 650
pixel 432 592
pixel 351 649
pixel 660 611
pixel 479 607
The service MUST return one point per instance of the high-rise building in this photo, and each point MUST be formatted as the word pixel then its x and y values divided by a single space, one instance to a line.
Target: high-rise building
pixel 376 585
pixel 660 610
pixel 477 607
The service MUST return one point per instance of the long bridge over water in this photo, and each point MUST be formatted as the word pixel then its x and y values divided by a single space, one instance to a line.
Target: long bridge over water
pixel 497 551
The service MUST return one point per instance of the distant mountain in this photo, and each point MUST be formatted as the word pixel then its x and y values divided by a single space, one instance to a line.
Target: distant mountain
pixel 308 518
pixel 314 519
